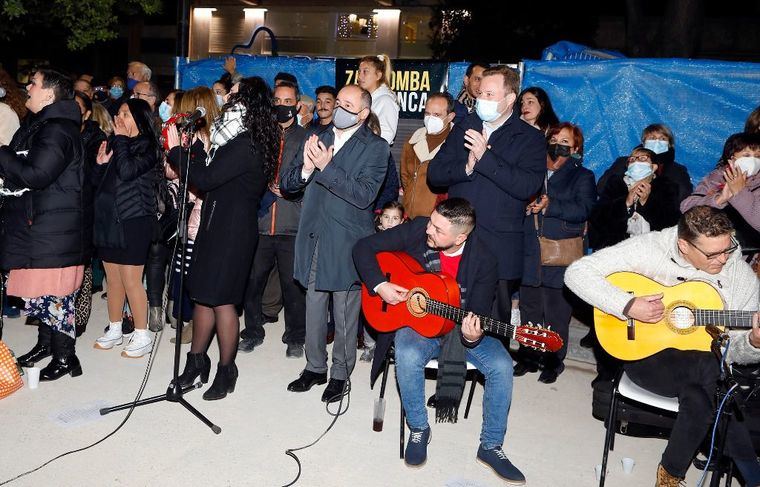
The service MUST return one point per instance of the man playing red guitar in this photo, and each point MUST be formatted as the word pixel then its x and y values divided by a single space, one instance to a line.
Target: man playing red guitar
pixel 701 248
pixel 445 243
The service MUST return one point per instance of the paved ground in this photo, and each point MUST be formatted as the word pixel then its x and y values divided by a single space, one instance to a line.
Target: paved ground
pixel 551 437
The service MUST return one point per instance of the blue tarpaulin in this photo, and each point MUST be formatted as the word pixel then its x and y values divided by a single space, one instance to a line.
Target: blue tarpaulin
pixel 566 50
pixel 703 102
pixel 311 73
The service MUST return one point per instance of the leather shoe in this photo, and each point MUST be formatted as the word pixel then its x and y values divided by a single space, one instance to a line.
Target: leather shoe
pixel 549 376
pixel 295 350
pixel 523 368
pixel 334 391
pixel 306 381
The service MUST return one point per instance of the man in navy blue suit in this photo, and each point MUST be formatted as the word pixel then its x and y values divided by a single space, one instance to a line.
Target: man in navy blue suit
pixel 496 161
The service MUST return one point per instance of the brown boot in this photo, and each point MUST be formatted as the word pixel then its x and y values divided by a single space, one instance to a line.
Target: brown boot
pixel 187 334
pixel 664 479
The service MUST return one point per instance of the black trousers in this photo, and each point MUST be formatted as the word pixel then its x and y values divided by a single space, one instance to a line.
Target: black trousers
pixel 155 272
pixel 279 250
pixel 548 307
pixel 502 306
pixel 692 377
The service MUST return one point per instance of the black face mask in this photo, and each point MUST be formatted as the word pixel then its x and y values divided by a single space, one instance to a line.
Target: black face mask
pixel 556 151
pixel 286 113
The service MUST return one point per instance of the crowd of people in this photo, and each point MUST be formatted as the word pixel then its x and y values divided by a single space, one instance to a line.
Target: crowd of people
pixel 291 196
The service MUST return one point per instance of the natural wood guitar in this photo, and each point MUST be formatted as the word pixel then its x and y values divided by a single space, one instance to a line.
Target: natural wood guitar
pixel 432 306
pixel 689 307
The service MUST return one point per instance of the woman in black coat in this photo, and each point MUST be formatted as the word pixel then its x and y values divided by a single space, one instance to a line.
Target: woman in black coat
pixel 125 219
pixel 639 200
pixel 560 211
pixel 241 163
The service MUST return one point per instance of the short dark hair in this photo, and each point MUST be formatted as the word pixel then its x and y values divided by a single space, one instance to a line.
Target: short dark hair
pixel 737 143
pixel 446 96
pixel 85 100
pixel 476 64
pixel 458 211
pixel 327 89
pixel 62 85
pixel 704 220
pixel 283 76
pixel 511 78
pixel 288 84
pixel 659 128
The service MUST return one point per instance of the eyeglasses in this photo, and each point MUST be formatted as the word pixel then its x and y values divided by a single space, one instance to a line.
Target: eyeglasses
pixel 715 255
pixel 640 158
pixel 140 95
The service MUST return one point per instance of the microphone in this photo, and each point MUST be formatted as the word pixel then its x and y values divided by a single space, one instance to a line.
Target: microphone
pixel 191 119
pixel 2 92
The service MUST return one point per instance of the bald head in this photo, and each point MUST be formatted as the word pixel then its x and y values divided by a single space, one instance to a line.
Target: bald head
pixel 354 99
pixel 147 91
pixel 138 71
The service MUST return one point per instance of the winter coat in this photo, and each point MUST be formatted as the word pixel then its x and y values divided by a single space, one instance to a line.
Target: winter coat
pixel 609 220
pixel 389 189
pixel 127 186
pixel 419 198
pixel 44 227
pixel 337 207
pixel 743 208
pixel 572 195
pixel 672 170
pixel 510 171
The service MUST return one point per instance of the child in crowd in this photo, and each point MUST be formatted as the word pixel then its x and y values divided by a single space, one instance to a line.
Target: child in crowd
pixel 391 215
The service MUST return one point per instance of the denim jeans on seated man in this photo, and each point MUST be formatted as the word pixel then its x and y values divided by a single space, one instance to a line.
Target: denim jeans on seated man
pixel 414 351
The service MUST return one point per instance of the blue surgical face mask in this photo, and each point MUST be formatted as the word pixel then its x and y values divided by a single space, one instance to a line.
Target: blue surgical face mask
pixel 639 170
pixel 488 110
pixel 656 146
pixel 131 83
pixel 116 92
pixel 164 111
pixel 219 100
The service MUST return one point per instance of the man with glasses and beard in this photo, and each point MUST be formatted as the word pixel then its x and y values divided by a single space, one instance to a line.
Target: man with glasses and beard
pixel 701 247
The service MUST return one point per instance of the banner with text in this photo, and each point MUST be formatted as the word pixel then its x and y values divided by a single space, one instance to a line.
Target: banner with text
pixel 412 81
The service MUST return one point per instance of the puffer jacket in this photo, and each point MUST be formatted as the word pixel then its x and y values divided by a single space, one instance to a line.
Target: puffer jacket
pixel 43 228
pixel 127 185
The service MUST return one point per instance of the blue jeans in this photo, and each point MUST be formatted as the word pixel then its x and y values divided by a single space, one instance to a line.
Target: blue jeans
pixel 413 351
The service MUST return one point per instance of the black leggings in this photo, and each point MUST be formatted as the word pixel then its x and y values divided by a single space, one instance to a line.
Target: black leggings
pixel 155 273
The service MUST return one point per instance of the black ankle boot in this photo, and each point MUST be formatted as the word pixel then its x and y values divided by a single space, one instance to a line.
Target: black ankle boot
pixel 197 364
pixel 64 360
pixel 41 350
pixel 224 382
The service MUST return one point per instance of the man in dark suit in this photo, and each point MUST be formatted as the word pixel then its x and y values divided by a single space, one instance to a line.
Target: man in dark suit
pixel 340 172
pixel 496 161
pixel 445 243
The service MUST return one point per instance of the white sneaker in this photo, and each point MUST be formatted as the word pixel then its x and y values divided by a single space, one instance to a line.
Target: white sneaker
pixel 112 338
pixel 515 317
pixel 140 344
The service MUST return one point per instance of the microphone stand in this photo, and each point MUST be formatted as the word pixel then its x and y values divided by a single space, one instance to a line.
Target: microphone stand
pixel 175 393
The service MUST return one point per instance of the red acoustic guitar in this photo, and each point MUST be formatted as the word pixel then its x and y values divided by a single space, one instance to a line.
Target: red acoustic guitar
pixel 432 306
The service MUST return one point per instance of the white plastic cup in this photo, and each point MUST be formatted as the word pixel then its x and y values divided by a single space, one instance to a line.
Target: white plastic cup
pixel 628 464
pixel 33 377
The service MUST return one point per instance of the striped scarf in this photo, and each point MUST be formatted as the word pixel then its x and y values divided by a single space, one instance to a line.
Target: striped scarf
pixel 225 128
pixel 452 365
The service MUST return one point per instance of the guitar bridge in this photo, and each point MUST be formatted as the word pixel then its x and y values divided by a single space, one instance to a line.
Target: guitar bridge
pixel 631 329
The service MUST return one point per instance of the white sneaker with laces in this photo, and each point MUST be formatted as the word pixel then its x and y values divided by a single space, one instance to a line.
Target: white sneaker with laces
pixel 140 344
pixel 515 317
pixel 112 338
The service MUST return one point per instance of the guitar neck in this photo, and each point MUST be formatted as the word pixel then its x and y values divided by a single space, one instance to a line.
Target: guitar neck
pixel 457 315
pixel 719 317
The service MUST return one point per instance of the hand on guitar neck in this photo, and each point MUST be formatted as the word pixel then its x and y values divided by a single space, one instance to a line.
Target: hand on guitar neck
pixel 648 309
pixel 392 293
pixel 471 329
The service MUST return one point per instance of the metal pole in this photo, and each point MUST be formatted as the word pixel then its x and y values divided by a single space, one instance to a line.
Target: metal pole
pixel 183 27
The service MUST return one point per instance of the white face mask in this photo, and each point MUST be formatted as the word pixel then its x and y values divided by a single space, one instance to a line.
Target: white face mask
pixel 749 165
pixel 656 146
pixel 433 124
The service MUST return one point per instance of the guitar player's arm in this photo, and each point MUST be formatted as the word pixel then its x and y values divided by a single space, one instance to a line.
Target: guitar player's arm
pixel 397 239
pixel 743 348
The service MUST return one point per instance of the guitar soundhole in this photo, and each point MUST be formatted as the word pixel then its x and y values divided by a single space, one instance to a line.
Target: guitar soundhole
pixel 681 318
pixel 417 302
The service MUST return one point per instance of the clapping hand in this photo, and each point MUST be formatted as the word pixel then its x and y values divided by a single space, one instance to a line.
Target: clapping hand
pixel 736 179
pixel 230 64
pixel 317 155
pixel 118 127
pixel 172 136
pixel 103 157
pixel 477 144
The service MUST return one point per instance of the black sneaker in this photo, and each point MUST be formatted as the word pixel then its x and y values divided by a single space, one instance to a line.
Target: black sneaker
pixel 523 368
pixel 247 345
pixel 295 350
pixel 497 460
pixel 415 454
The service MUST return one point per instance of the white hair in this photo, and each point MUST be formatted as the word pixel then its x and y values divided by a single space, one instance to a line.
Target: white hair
pixel 146 72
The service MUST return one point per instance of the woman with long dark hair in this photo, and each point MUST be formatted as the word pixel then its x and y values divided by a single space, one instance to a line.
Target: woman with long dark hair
pixel 241 163
pixel 125 220
pixel 535 107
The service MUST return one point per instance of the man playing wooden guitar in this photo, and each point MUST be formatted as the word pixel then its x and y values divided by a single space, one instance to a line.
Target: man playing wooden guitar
pixel 700 248
pixel 445 243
